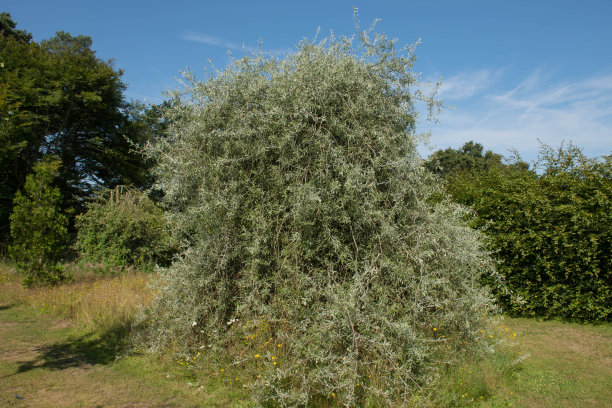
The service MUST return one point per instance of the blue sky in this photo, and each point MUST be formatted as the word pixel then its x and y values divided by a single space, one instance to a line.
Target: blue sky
pixel 514 71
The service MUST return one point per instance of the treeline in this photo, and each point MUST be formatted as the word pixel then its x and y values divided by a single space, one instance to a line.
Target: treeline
pixel 58 99
pixel 549 227
pixel 74 184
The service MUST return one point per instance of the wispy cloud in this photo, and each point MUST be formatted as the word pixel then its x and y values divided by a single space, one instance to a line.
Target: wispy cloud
pixel 214 41
pixel 516 116
pixel 231 45
pixel 466 84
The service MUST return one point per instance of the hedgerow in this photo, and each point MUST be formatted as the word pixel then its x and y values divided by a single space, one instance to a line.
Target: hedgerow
pixel 550 230
pixel 297 190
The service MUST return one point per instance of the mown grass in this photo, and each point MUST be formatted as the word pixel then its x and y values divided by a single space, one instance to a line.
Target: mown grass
pixel 47 363
pixel 560 365
pixel 570 365
pixel 66 346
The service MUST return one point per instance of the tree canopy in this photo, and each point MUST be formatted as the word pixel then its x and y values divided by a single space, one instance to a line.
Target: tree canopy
pixel 470 157
pixel 8 29
pixel 58 98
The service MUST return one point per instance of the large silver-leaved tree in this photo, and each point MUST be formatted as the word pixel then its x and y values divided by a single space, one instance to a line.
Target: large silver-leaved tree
pixel 309 222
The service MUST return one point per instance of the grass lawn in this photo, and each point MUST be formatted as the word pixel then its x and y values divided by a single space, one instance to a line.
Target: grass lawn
pixel 47 362
pixel 58 348
pixel 570 365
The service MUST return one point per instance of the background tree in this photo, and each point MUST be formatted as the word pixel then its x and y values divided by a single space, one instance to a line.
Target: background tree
pixel 21 123
pixel 470 157
pixel 145 124
pixel 57 98
pixel 87 122
pixel 8 29
pixel 39 227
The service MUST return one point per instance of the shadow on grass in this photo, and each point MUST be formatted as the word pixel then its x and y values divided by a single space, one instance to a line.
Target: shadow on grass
pixel 7 306
pixel 79 352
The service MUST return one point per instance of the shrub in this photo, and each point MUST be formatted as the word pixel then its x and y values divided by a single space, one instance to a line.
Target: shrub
pixel 123 227
pixel 39 227
pixel 550 230
pixel 310 221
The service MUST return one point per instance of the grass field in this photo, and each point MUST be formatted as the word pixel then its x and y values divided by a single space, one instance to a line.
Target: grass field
pixel 65 347
pixel 570 365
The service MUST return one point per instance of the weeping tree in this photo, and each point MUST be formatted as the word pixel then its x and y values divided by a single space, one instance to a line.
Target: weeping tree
pixel 316 247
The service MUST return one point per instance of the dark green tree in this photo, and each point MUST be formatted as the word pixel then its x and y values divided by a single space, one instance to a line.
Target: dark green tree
pixel 39 227
pixel 469 157
pixel 58 98
pixel 145 123
pixel 87 120
pixel 7 29
pixel 22 117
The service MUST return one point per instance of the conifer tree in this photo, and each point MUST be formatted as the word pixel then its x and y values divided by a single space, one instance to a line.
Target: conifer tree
pixel 39 227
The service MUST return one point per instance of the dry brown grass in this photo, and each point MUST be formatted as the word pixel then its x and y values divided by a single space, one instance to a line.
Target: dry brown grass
pixel 99 301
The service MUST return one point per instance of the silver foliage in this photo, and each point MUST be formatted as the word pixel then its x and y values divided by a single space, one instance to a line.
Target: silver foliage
pixel 298 193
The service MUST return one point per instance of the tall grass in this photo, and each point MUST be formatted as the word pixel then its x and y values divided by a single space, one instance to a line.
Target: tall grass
pixel 101 302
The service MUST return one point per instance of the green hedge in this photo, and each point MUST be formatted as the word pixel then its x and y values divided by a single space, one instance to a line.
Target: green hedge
pixel 550 231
